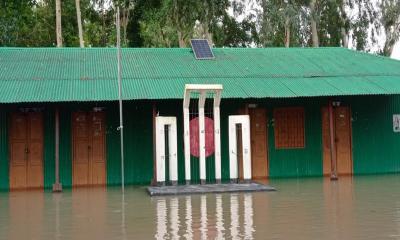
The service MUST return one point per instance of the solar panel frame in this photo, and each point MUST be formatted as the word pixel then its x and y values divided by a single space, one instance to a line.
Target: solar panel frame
pixel 201 49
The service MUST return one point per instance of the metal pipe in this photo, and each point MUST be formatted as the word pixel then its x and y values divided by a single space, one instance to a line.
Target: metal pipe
pixel 57 186
pixel 154 182
pixel 121 126
pixel 332 143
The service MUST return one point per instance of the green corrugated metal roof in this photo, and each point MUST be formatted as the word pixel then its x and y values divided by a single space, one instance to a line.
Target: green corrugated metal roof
pixel 74 74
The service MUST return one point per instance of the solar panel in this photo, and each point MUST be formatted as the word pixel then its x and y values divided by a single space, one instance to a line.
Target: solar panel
pixel 201 49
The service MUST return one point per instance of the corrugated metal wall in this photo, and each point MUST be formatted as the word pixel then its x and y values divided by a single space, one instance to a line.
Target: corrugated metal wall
pixel 4 179
pixel 65 145
pixel 49 145
pixel 376 148
pixel 297 162
pixel 138 140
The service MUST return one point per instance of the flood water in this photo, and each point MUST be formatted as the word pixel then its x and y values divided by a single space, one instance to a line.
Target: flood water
pixel 364 207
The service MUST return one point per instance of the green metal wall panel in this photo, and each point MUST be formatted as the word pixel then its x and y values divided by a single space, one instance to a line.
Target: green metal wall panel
pixel 4 167
pixel 49 147
pixel 375 145
pixel 65 146
pixel 376 148
pixel 298 162
pixel 138 142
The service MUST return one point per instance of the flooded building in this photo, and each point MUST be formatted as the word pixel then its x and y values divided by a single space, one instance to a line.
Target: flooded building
pixel 302 103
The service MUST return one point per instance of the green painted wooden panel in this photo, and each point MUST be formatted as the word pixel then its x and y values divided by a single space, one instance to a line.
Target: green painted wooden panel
pixel 4 167
pixel 298 162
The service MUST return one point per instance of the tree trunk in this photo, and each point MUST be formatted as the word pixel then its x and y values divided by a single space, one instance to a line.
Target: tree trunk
pixel 79 19
pixel 58 23
pixel 287 32
pixel 389 44
pixel 207 34
pixel 314 30
pixel 125 21
pixel 344 32
pixel 182 43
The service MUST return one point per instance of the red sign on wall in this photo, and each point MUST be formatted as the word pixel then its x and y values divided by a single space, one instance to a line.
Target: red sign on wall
pixel 194 136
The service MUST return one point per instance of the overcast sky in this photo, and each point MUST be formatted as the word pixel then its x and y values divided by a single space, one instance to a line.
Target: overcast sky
pixel 396 52
pixel 252 5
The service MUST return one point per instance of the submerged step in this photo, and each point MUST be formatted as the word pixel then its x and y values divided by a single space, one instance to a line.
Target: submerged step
pixel 208 188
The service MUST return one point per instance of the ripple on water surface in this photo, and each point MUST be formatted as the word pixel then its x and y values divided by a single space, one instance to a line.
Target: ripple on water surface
pixel 366 207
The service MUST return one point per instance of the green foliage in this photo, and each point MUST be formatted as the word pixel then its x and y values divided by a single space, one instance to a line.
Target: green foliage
pixel 172 23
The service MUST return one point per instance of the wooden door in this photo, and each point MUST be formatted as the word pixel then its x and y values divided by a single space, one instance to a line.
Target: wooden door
pixel 342 125
pixel 259 153
pixel 88 148
pixel 343 140
pixel 26 150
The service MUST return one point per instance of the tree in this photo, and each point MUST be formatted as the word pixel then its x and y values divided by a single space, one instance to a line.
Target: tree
pixel 390 20
pixel 281 23
pixel 79 21
pixel 58 24
pixel 313 23
pixel 344 23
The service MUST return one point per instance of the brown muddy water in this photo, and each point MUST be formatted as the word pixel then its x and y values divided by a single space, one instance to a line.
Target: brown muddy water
pixel 365 207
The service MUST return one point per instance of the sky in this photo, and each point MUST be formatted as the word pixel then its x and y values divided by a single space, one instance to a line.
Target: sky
pixel 251 6
pixel 396 51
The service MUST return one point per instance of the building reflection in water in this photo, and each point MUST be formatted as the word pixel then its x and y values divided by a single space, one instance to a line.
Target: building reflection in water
pixel 206 217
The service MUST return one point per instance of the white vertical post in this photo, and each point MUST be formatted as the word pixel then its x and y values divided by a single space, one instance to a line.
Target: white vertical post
pixel 186 129
pixel 244 121
pixel 217 136
pixel 233 171
pixel 203 89
pixel 246 148
pixel 173 151
pixel 160 150
pixel 161 122
pixel 202 137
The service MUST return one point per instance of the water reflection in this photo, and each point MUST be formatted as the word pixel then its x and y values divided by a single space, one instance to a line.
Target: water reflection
pixel 188 217
pixel 219 216
pixel 161 219
pixel 351 208
pixel 204 217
